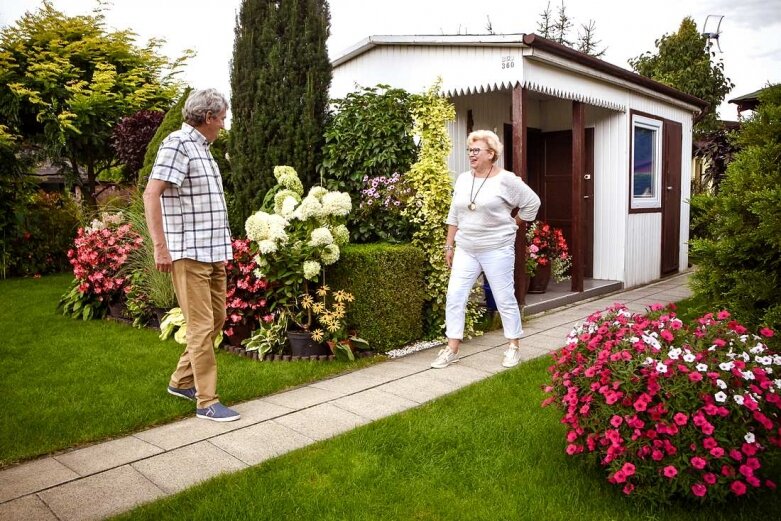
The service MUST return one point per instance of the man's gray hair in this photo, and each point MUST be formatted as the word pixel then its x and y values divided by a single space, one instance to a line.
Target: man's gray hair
pixel 200 102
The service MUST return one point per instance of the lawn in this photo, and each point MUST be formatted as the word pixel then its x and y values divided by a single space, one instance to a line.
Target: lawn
pixel 487 452
pixel 68 382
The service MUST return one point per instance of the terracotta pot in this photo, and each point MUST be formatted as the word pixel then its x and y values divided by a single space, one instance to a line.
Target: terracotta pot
pixel 301 344
pixel 539 282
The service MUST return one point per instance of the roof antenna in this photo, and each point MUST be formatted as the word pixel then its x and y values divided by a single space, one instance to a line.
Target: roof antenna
pixel 711 29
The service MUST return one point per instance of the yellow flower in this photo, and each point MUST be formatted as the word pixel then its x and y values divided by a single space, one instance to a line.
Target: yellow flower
pixel 318 307
pixel 323 290
pixel 340 295
pixel 307 301
pixel 339 311
pixel 317 335
pixel 334 327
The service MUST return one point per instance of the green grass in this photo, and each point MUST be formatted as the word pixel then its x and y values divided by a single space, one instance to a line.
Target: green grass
pixel 488 452
pixel 68 382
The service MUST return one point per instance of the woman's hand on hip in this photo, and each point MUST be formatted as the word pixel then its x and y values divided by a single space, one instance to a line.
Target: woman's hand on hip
pixel 449 258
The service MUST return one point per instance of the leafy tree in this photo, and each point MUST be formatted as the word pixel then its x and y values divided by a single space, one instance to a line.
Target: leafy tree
pixel 279 81
pixel 683 61
pixel 66 81
pixel 172 121
pixel 739 259
pixel 131 137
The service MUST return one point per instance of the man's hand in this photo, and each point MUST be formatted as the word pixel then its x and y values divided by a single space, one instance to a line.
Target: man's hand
pixel 163 259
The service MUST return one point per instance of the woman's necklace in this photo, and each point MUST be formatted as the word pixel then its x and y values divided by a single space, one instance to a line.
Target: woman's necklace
pixel 472 204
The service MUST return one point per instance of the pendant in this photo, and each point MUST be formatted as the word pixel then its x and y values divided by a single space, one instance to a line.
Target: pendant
pixel 472 206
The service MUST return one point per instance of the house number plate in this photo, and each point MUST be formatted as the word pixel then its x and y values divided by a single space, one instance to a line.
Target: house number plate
pixel 508 62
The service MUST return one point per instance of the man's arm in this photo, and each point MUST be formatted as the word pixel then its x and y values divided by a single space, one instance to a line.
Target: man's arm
pixel 154 221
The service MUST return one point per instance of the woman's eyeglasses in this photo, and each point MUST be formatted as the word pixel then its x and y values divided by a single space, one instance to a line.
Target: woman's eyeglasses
pixel 474 151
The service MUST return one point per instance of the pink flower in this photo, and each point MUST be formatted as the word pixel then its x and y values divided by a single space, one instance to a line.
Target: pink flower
pixel 766 332
pixel 710 478
pixel 723 315
pixel 670 471
pixel 628 488
pixel 628 469
pixel 698 463
pixel 616 421
pixel 717 452
pixel 680 419
pixel 738 488
pixel 699 490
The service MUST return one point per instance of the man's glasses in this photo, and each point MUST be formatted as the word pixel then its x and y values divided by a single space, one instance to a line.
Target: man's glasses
pixel 474 151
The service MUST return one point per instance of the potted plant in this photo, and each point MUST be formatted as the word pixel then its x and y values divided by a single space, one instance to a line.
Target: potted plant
pixel 547 256
pixel 294 240
pixel 329 310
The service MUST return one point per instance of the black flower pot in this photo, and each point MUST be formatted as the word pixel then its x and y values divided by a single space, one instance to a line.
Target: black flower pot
pixel 301 344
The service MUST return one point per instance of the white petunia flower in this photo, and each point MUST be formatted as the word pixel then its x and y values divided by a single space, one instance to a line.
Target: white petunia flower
pixel 674 353
pixel 777 383
pixel 689 357
pixel 749 437
pixel 747 375
pixel 661 368
pixel 738 399
pixel 721 384
pixel 720 397
pixel 776 359
pixel 648 361
pixel 764 360
pixel 726 366
pixel 702 367
pixel 757 349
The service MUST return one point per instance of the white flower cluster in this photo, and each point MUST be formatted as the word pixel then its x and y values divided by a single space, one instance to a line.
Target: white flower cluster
pixel 287 177
pixel 106 219
pixel 267 230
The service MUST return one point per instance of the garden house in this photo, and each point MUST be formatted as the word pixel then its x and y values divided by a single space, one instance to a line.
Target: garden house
pixel 607 150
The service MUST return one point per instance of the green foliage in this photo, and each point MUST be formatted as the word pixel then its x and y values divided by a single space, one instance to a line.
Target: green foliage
pixel 66 81
pixel 432 187
pixel 369 136
pixel 739 253
pixel 279 82
pixel 388 282
pixel 76 304
pixel 14 191
pixel 172 121
pixel 683 61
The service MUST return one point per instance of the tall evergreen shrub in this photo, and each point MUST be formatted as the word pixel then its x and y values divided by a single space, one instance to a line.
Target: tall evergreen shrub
pixel 739 258
pixel 279 94
pixel 172 121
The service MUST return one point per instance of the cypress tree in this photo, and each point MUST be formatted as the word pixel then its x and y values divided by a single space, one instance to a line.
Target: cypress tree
pixel 280 78
pixel 172 121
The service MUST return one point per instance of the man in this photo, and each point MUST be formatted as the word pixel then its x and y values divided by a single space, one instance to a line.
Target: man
pixel 188 222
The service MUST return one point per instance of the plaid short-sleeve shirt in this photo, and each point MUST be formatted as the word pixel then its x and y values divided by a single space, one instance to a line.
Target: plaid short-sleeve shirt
pixel 195 219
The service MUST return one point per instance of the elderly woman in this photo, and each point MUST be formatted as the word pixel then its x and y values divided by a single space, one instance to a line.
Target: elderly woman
pixel 481 238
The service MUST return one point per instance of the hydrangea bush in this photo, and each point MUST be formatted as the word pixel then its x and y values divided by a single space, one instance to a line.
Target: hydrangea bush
pixel 668 409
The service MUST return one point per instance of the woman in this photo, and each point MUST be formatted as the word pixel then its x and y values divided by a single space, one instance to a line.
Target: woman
pixel 481 238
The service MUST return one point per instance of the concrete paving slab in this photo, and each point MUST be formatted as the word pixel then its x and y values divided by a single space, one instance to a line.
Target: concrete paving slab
pixel 184 467
pixel 489 361
pixel 322 421
pixel 396 368
pixel 460 374
pixel 31 477
pixel 181 433
pixel 303 397
pixel 100 495
pixel 260 442
pixel 350 383
pixel 490 339
pixel 107 455
pixel 257 411
pixel 420 388
pixel 374 404
pixel 27 508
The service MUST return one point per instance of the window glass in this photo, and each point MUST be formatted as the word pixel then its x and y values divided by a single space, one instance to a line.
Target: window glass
pixel 646 171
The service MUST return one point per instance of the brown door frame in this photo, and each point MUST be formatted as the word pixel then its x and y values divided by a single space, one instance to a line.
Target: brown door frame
pixel 577 249
pixel 520 167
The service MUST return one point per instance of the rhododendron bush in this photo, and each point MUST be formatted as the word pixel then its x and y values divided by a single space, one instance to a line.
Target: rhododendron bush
pixel 669 409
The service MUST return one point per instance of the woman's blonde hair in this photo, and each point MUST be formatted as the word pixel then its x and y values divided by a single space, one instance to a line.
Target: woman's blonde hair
pixel 491 139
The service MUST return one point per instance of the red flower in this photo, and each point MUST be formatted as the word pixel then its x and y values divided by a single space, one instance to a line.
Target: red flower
pixel 699 490
pixel 670 471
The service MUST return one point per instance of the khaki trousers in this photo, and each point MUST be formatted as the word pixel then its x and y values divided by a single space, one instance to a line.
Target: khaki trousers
pixel 200 289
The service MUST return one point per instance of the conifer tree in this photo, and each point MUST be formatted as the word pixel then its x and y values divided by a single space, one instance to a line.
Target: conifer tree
pixel 279 81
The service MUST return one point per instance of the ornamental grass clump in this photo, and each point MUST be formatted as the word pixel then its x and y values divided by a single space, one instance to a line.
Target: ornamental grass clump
pixel 671 410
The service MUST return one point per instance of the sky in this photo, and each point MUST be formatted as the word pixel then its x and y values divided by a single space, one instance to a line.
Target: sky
pixel 750 31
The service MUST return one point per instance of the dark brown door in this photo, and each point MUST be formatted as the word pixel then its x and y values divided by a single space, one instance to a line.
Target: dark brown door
pixel 671 196
pixel 550 175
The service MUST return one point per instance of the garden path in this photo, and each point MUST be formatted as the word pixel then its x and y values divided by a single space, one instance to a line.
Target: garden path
pixel 108 478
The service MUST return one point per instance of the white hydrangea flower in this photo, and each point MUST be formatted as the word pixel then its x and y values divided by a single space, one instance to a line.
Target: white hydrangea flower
pixel 317 192
pixel 257 226
pixel 309 208
pixel 337 203
pixel 749 437
pixel 330 254
pixel 720 397
pixel 260 261
pixel 281 197
pixel 738 399
pixel 288 207
pixel 267 246
pixel 311 270
pixel 276 228
pixel 702 367
pixel 284 171
pixel 259 274
pixel 341 234
pixel 321 237
pixel 721 384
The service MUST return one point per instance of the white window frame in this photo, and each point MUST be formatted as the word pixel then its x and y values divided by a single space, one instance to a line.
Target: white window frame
pixel 655 202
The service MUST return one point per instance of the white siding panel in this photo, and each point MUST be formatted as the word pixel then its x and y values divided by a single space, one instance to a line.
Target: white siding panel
pixel 489 112
pixel 643 248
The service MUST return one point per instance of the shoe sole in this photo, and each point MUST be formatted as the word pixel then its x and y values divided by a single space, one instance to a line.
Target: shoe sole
pixel 508 366
pixel 179 395
pixel 212 418
pixel 447 364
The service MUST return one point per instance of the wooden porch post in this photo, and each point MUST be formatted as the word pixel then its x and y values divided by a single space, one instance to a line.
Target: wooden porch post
pixel 577 249
pixel 519 166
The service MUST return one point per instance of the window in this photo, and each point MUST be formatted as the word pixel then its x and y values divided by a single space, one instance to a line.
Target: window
pixel 645 174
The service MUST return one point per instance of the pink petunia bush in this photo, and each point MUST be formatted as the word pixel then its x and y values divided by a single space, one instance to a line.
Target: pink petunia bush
pixel 668 409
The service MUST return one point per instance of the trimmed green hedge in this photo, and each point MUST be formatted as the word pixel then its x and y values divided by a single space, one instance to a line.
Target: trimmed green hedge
pixel 388 283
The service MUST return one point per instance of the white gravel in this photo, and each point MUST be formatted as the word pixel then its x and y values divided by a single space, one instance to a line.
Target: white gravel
pixel 414 348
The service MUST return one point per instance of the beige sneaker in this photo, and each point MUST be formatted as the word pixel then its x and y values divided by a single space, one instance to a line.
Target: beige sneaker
pixel 512 356
pixel 445 358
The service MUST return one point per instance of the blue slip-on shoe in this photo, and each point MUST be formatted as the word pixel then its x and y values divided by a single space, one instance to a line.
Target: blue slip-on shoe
pixel 187 394
pixel 218 413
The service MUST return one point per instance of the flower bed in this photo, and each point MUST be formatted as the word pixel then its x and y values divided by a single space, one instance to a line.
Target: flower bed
pixel 670 410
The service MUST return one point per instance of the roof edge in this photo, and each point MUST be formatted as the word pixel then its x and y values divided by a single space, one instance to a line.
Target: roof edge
pixel 536 41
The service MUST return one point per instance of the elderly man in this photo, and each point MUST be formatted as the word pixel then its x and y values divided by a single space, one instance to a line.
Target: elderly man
pixel 188 222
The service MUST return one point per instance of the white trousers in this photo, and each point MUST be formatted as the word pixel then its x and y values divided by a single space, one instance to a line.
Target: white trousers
pixel 499 268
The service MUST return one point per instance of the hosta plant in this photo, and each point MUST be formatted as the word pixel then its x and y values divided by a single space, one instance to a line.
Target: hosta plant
pixel 671 410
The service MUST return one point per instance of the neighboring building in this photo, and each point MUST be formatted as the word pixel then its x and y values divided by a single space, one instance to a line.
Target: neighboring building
pixel 607 150
pixel 747 101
